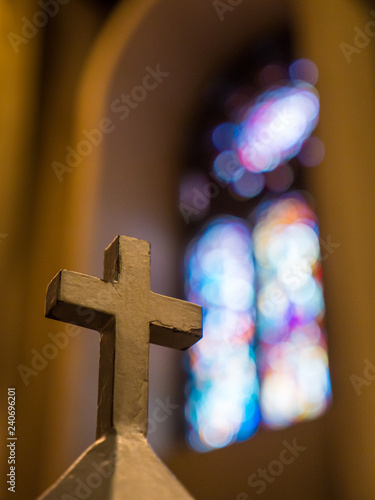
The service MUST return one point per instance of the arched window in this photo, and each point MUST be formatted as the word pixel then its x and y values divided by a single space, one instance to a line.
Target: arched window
pixel 254 260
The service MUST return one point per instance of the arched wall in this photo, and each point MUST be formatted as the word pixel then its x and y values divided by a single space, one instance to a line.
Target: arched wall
pixel 130 181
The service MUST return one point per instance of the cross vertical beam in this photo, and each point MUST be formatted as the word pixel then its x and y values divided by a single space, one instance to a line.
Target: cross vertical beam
pixel 130 258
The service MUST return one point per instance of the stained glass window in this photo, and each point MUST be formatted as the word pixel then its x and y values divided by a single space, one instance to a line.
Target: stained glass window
pixel 263 359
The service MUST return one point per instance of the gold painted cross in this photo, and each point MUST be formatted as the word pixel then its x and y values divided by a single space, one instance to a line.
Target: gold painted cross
pixel 128 316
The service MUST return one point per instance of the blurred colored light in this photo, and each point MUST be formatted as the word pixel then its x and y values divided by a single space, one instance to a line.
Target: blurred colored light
pixel 303 70
pixel 312 152
pixel 276 127
pixel 223 387
pixel 283 377
pixel 248 185
pixel 279 180
pixel 293 365
pixel 222 136
pixel 227 168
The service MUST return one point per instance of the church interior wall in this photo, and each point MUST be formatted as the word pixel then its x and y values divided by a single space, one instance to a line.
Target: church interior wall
pixel 128 185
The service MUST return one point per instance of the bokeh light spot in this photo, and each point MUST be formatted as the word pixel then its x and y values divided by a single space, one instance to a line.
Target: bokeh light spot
pixel 305 70
pixel 312 152
pixel 248 185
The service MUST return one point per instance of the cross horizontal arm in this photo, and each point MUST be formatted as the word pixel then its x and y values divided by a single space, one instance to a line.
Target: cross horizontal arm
pixel 174 323
pixel 80 299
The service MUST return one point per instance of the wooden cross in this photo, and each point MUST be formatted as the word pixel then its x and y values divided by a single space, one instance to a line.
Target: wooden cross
pixel 128 316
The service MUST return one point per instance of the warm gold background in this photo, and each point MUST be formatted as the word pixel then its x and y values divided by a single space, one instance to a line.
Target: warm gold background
pixel 64 80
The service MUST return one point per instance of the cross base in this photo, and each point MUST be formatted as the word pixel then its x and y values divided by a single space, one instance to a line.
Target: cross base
pixel 115 468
